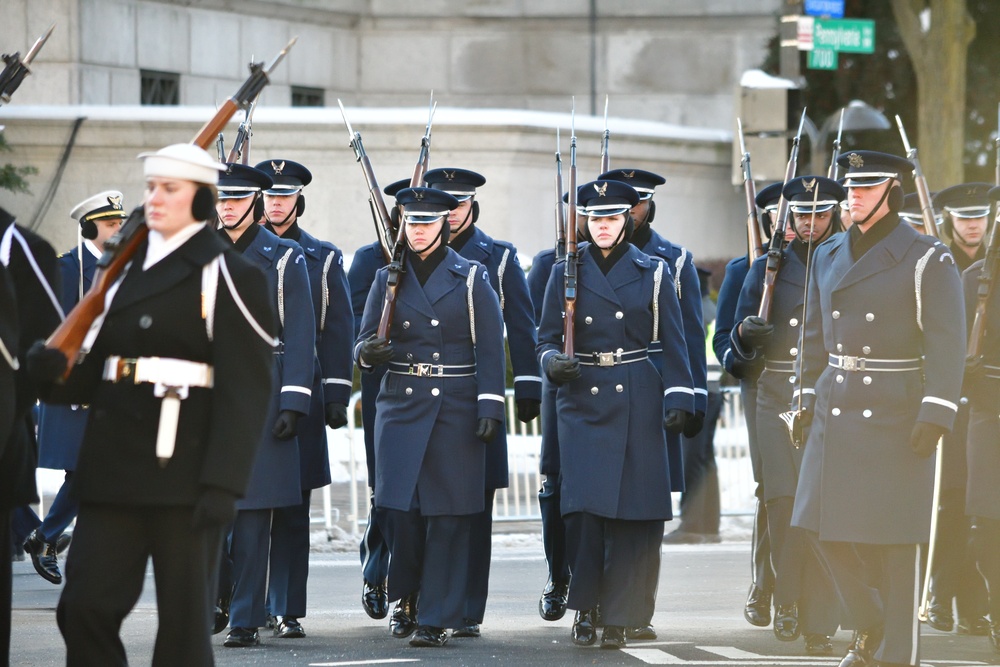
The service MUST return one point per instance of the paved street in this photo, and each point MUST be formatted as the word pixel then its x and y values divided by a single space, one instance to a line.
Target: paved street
pixel 698 618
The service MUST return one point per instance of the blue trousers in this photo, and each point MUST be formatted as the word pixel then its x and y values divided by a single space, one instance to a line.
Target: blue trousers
pixel 289 563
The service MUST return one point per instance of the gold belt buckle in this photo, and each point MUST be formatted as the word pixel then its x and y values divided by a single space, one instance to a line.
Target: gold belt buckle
pixel 605 358
pixel 126 369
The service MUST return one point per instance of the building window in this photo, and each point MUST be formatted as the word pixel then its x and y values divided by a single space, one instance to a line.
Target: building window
pixel 160 87
pixel 307 97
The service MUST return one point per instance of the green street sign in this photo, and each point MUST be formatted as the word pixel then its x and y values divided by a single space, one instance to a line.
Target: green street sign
pixel 844 35
pixel 822 59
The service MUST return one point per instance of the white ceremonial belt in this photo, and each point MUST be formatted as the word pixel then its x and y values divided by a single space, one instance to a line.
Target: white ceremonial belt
pixel 779 365
pixel 615 358
pixel 171 379
pixel 848 363
pixel 992 372
pixel 432 370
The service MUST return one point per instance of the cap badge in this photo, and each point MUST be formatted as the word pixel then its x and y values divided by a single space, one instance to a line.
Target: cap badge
pixel 418 195
pixel 601 189
pixel 115 202
pixel 450 175
pixel 809 185
pixel 855 160
pixel 277 167
pixel 628 174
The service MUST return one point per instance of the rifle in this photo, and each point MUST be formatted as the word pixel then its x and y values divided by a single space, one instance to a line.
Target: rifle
pixel 605 157
pixel 417 180
pixel 777 237
pixel 833 172
pixel 241 145
pixel 987 276
pixel 996 170
pixel 923 192
pixel 120 248
pixel 17 67
pixel 570 277
pixel 754 242
pixel 220 147
pixel 380 214
pixel 560 211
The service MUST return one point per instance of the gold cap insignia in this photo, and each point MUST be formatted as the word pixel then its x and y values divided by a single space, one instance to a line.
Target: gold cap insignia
pixel 855 160
pixel 601 189
pixel 115 202
pixel 278 167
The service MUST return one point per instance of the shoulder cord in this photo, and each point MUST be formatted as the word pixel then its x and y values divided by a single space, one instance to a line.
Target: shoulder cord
pixel 469 284
pixel 678 265
pixel 281 285
pixel 209 291
pixel 254 324
pixel 500 270
pixel 918 276
pixel 325 301
pixel 657 282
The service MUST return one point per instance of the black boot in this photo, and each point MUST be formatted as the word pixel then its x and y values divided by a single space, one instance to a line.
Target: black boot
pixel 403 621
pixel 584 630
pixel 375 600
pixel 786 623
pixel 758 607
pixel 552 604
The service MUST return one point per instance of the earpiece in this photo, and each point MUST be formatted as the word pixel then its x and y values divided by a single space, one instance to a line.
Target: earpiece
pixel 88 229
pixel 203 203
pixel 652 211
pixel 475 211
pixel 258 207
pixel 300 205
pixel 895 198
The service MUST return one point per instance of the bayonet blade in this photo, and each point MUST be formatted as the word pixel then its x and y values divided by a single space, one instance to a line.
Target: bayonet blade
pixel 802 122
pixel 281 54
pixel 350 130
pixel 606 112
pixel 840 127
pixel 902 134
pixel 37 46
pixel 739 129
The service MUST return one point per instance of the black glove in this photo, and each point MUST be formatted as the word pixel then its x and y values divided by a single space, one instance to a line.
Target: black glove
pixel 694 423
pixel 527 409
pixel 754 331
pixel 336 415
pixel 487 429
pixel 801 423
pixel 561 368
pixel 974 383
pixel 674 420
pixel 215 508
pixel 285 425
pixel 376 351
pixel 924 438
pixel 45 365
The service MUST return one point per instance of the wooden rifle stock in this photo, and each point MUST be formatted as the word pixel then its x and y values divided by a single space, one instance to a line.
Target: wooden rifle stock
pixel 987 277
pixel 68 338
pixel 754 241
pixel 778 236
pixel 570 275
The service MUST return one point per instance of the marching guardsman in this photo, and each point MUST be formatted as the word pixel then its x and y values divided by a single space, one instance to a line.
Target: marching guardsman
pixel 441 406
pixel 284 204
pixel 613 408
pixel 374 549
pixel 508 281
pixel 757 609
pixel 685 281
pixel 982 387
pixel 275 481
pixel 881 375
pixel 910 213
pixel 804 597
pixel 60 427
pixel 176 372
pixel 965 209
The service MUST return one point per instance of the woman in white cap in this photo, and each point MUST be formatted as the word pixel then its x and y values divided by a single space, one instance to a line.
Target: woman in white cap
pixel 177 374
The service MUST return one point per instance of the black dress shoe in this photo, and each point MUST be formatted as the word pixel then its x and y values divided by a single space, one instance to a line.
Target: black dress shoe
pixel 222 611
pixel 861 652
pixel 288 627
pixel 552 604
pixel 758 607
pixel 584 631
pixel 242 637
pixel 62 542
pixel 818 645
pixel 428 635
pixel 43 557
pixel 645 633
pixel 613 637
pixel 469 629
pixel 375 600
pixel 973 625
pixel 939 616
pixel 270 621
pixel 403 621
pixel 786 623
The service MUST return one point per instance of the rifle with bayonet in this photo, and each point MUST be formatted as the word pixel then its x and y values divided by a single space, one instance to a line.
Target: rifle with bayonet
pixel 16 67
pixel 923 192
pixel 833 172
pixel 240 152
pixel 560 211
pixel 380 214
pixel 605 156
pixel 220 147
pixel 778 236
pixel 987 277
pixel 754 242
pixel 570 276
pixel 423 159
pixel 118 251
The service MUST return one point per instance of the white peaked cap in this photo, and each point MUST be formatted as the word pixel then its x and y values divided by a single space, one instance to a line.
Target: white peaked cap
pixel 184 161
pixel 111 201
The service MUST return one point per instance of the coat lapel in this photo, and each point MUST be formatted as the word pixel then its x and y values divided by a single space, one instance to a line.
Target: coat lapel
pixel 883 256
pixel 593 280
pixel 412 294
pixel 628 269
pixel 452 272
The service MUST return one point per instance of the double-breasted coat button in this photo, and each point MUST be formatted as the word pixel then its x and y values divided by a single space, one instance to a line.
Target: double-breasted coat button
pixel 619 388
pixel 791 380
pixel 793 322
pixel 409 390
pixel 409 355
pixel 434 323
pixel 866 349
pixel 867 379
pixel 840 347
pixel 588 319
pixel 840 378
pixel 436 356
pixel 435 391
pixel 836 314
pixel 619 315
pixel 593 390
pixel 794 351
pixel 145 321
pixel 866 413
pixel 870 316
pixel 835 412
pixel 406 324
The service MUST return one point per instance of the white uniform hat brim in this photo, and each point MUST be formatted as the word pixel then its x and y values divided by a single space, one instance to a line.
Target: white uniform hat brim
pixel 182 161
pixel 100 200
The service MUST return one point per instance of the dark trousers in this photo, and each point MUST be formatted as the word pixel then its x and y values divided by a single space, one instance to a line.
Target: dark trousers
pixel 986 547
pixel 953 572
pixel 761 572
pixel 553 530
pixel 480 555
pixel 105 572
pixel 700 504
pixel 609 559
pixel 430 555
pixel 654 544
pixel 289 570
pixel 892 603
pixel 374 549
pixel 248 548
pixel 6 574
